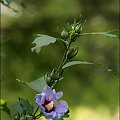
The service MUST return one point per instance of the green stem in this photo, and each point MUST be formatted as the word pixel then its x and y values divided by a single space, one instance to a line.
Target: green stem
pixel 34 117
pixel 63 61
pixel 38 116
pixel 36 111
pixel 64 58
pixel 93 33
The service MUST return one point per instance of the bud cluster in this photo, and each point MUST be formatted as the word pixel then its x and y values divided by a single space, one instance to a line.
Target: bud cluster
pixel 72 31
pixel 53 76
pixel 69 35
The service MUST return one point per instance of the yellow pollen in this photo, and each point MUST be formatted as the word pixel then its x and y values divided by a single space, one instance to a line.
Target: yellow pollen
pixel 49 106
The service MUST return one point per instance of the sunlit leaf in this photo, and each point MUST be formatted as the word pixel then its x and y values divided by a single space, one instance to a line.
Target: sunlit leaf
pixel 75 63
pixel 42 40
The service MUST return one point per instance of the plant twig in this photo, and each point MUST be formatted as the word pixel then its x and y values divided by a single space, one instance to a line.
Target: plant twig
pixel 64 59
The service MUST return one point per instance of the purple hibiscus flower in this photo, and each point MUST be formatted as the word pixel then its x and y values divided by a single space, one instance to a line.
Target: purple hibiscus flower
pixel 47 103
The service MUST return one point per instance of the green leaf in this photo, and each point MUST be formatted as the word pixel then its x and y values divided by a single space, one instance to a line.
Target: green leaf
pixel 93 63
pixel 17 111
pixel 22 110
pixel 109 34
pixel 75 63
pixel 114 33
pixel 66 115
pixel 9 1
pixel 42 40
pixel 4 107
pixel 58 119
pixel 38 84
pixel 24 103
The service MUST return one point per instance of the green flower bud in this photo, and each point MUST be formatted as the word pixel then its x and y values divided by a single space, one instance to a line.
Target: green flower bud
pixel 72 35
pixel 78 28
pixel 64 34
pixel 54 74
pixel 72 53
pixel 72 26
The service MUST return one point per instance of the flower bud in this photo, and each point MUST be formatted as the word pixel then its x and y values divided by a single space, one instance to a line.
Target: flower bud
pixel 72 26
pixel 72 53
pixel 78 28
pixel 72 36
pixel 54 74
pixel 64 34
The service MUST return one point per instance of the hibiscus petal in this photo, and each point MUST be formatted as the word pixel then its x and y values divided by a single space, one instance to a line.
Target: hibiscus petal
pixel 40 98
pixel 59 95
pixel 50 94
pixel 61 107
pixel 50 115
pixel 47 89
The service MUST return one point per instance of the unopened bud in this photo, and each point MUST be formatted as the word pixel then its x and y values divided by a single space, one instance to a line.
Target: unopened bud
pixel 64 34
pixel 72 35
pixel 55 74
pixel 72 53
pixel 78 28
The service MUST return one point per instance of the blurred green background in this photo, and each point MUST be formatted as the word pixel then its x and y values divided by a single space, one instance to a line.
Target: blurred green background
pixel 91 92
